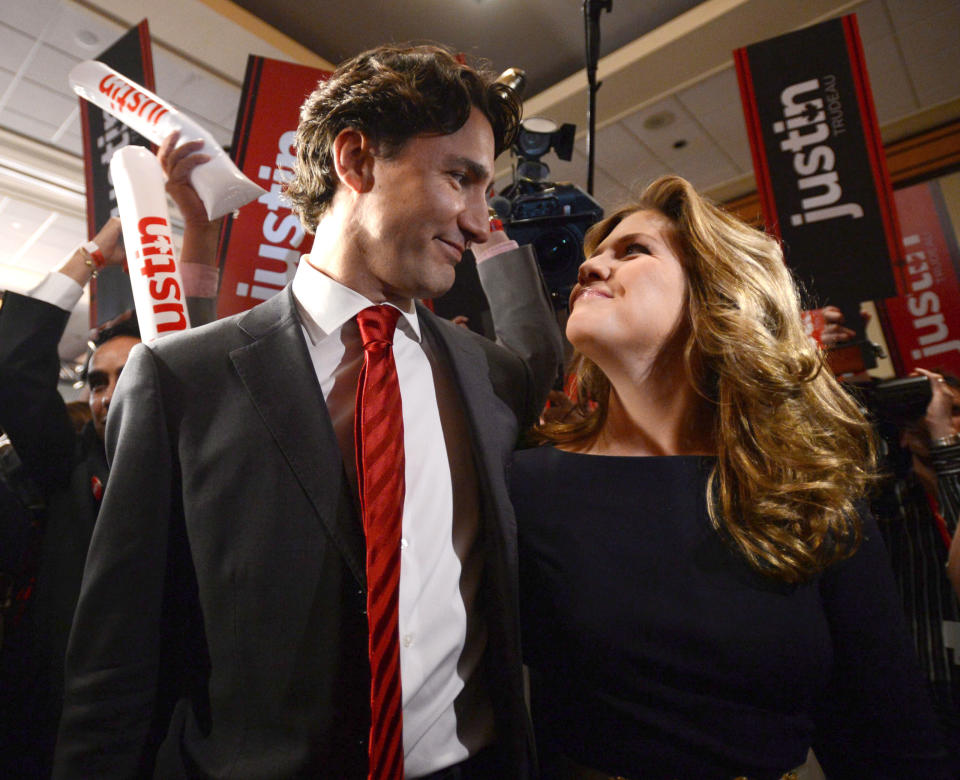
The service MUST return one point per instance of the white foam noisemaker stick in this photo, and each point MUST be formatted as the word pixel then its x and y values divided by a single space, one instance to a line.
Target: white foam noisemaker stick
pixel 219 183
pixel 154 272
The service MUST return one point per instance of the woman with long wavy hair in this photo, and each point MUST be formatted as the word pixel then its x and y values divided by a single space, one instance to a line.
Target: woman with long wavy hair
pixel 703 592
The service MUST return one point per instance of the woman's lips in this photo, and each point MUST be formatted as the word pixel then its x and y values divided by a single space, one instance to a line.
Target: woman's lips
pixel 588 292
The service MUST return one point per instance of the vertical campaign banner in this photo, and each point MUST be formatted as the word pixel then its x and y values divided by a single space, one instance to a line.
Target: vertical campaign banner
pixel 261 244
pixel 103 134
pixel 923 325
pixel 819 161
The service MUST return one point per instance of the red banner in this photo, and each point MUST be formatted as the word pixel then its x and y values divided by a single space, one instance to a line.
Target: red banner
pixel 262 245
pixel 925 323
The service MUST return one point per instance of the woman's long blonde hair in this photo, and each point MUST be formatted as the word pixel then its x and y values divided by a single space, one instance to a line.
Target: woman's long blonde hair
pixel 794 451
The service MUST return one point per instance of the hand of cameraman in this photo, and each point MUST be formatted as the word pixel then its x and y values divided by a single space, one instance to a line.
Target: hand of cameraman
pixel 939 416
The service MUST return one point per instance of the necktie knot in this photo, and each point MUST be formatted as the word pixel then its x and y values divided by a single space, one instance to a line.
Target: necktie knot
pixel 378 324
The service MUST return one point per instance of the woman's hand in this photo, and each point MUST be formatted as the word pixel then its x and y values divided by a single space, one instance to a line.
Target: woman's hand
pixel 110 242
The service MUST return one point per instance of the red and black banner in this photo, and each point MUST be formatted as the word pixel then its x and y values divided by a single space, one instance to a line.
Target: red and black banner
pixel 819 162
pixel 103 134
pixel 262 244
pixel 923 325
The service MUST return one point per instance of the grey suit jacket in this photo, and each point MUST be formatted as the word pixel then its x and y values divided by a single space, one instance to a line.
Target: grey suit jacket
pixel 221 628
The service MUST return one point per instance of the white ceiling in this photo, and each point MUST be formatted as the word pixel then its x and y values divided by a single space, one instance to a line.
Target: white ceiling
pixel 682 69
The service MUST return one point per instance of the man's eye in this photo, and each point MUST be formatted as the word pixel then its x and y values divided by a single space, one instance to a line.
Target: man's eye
pixel 458 176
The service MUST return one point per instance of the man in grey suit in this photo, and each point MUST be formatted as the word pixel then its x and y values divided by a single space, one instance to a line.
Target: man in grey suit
pixel 221 629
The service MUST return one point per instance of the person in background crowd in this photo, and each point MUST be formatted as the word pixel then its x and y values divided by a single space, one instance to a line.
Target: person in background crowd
pixel 918 512
pixel 222 628
pixel 66 471
pixel 703 593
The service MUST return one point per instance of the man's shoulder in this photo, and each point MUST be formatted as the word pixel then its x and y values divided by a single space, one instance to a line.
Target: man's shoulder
pixel 229 333
pixel 466 338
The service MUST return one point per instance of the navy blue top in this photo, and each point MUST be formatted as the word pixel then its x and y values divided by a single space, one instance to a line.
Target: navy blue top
pixel 657 651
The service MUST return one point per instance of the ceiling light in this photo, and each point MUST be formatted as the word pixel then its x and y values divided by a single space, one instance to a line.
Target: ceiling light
pixel 659 120
pixel 86 38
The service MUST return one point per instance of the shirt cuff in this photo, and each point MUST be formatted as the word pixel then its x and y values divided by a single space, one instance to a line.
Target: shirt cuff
pixel 483 252
pixel 199 280
pixel 58 290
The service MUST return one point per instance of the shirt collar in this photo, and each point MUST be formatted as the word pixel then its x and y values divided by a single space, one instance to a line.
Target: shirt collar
pixel 325 305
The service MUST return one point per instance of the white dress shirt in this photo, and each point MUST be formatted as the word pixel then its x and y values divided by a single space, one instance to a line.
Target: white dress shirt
pixel 58 290
pixel 441 635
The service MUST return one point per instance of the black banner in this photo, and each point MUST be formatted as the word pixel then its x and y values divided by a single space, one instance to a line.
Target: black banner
pixel 819 161
pixel 110 292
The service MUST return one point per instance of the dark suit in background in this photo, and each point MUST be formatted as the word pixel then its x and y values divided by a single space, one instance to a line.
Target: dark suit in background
pixel 65 467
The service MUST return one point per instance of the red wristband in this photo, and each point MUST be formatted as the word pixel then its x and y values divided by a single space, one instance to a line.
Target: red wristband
pixel 91 248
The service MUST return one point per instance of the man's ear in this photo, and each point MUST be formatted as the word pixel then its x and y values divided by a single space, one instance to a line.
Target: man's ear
pixel 353 158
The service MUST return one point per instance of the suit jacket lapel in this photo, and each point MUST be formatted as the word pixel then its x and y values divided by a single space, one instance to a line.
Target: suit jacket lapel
pixel 490 419
pixel 278 373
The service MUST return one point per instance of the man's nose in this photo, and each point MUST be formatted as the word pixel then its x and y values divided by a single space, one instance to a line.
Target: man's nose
pixel 108 394
pixel 475 220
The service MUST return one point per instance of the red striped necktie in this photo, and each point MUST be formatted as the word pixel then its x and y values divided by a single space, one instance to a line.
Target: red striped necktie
pixel 378 427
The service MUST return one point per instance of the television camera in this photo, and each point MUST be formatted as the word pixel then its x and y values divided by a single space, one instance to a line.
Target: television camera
pixel 551 216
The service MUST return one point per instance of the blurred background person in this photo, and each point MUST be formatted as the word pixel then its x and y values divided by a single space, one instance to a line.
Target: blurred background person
pixel 703 593
pixel 62 473
pixel 917 510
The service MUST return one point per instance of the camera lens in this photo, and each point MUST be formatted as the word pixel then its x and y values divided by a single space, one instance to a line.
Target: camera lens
pixel 558 252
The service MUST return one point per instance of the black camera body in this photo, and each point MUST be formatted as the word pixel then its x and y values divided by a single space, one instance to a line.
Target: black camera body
pixel 550 216
pixel 901 400
pixel 553 218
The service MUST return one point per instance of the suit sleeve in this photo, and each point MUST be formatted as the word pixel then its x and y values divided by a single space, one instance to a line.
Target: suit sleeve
pixel 876 719
pixel 32 412
pixel 113 658
pixel 201 310
pixel 523 317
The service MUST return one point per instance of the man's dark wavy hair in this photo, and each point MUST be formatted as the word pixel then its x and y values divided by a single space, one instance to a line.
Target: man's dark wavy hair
pixel 125 324
pixel 391 94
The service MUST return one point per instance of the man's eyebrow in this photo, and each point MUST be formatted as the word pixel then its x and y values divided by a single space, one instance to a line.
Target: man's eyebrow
pixel 97 375
pixel 476 170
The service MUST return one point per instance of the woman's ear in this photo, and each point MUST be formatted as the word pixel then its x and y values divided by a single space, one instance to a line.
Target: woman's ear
pixel 353 158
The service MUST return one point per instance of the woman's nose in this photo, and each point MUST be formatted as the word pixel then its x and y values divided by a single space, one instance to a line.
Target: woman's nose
pixel 593 269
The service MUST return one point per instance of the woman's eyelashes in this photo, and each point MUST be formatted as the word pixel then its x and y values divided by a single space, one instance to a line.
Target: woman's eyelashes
pixel 636 248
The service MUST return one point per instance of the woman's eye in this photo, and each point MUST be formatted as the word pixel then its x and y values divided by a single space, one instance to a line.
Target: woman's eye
pixel 636 249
